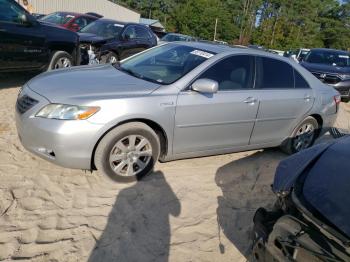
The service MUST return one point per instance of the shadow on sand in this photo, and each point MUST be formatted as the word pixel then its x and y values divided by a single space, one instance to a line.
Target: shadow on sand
pixel 246 186
pixel 10 80
pixel 138 227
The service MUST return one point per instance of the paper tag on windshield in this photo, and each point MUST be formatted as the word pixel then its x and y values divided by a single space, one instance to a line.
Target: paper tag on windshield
pixel 202 53
pixel 119 25
pixel 343 56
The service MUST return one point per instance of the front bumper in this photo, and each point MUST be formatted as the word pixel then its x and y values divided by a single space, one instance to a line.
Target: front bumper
pixel 66 143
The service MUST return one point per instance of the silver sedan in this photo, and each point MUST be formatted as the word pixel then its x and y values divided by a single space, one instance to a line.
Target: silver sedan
pixel 174 101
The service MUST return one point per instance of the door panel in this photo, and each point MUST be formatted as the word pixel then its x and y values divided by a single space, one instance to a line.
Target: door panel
pixel 281 104
pixel 206 122
pixel 22 46
pixel 279 111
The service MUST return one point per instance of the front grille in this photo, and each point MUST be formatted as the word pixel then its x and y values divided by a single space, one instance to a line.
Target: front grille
pixel 24 103
pixel 327 78
pixel 344 92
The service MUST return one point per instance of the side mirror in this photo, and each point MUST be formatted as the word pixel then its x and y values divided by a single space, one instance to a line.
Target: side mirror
pixel 28 20
pixel 205 85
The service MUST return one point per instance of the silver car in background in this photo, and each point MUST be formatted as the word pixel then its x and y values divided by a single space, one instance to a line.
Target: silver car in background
pixel 174 101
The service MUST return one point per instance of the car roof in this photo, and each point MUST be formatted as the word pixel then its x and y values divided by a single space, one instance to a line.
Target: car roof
pixel 331 50
pixel 220 48
pixel 76 14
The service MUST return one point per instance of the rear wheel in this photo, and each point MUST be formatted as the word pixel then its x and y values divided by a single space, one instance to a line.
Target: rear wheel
pixel 128 152
pixel 60 59
pixel 303 136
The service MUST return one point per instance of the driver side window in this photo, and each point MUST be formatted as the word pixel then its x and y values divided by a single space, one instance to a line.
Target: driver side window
pixel 10 12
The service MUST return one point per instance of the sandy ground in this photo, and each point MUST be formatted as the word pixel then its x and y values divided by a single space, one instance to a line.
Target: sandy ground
pixel 190 210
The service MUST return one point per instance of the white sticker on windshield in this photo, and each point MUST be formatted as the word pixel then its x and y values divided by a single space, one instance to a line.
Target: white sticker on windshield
pixel 344 56
pixel 119 25
pixel 202 53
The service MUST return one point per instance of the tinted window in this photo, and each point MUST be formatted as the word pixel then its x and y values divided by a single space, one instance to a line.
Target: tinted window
pixel 142 33
pixel 103 28
pixel 10 12
pixel 130 32
pixel 58 18
pixel 81 22
pixel 274 73
pixel 300 82
pixel 232 73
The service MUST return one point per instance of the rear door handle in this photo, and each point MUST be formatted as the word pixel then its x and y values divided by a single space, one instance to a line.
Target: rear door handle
pixel 251 100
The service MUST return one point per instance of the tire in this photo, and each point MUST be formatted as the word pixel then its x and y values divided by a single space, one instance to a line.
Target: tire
pixel 112 58
pixel 121 144
pixel 60 59
pixel 301 137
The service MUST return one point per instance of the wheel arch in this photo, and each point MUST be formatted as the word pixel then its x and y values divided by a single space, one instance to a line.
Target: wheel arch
pixel 163 138
pixel 319 120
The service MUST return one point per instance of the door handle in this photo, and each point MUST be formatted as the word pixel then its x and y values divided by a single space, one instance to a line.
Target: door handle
pixel 251 100
pixel 307 97
pixel 2 30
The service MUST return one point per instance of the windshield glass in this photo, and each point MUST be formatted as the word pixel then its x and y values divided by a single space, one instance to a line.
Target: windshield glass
pixel 58 18
pixel 165 64
pixel 105 29
pixel 328 58
pixel 172 38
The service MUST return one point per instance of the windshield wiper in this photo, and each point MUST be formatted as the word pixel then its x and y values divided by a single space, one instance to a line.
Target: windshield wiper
pixel 137 75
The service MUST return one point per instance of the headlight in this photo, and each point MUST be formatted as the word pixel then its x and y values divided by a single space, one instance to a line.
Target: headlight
pixel 345 77
pixel 67 112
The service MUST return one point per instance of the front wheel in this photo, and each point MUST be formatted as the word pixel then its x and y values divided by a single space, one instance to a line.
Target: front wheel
pixel 303 136
pixel 128 152
pixel 60 59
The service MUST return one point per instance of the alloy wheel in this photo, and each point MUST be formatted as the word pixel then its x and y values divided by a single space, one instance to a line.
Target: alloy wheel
pixel 304 137
pixel 130 155
pixel 112 60
pixel 63 62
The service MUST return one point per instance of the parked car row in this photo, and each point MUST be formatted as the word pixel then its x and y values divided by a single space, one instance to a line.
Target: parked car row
pixel 45 44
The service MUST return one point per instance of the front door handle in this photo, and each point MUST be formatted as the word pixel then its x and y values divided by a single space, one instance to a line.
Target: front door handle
pixel 251 100
pixel 307 97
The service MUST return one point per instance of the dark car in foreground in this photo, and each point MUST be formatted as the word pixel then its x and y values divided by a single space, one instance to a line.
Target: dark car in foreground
pixel 30 44
pixel 108 41
pixel 331 67
pixel 311 218
pixel 70 20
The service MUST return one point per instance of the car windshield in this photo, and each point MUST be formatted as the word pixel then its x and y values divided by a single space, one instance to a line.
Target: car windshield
pixel 58 18
pixel 173 38
pixel 105 29
pixel 165 64
pixel 328 58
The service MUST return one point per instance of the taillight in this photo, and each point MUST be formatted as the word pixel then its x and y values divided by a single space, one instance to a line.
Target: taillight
pixel 337 100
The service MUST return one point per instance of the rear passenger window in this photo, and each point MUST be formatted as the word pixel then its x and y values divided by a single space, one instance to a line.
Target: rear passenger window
pixel 232 73
pixel 300 82
pixel 274 73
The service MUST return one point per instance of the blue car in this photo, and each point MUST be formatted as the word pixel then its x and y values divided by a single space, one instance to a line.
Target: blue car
pixel 109 41
pixel 311 218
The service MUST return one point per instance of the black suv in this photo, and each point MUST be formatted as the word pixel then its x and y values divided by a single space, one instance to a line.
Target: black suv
pixel 28 44
pixel 331 67
pixel 108 41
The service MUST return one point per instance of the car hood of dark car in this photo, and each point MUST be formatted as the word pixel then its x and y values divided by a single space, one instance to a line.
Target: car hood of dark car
pixel 87 83
pixel 92 38
pixel 323 68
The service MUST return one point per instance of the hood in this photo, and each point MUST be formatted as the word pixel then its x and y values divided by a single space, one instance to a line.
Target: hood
pixel 323 68
pixel 85 83
pixel 91 38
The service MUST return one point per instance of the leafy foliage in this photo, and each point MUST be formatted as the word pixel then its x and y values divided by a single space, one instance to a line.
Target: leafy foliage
pixel 280 24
